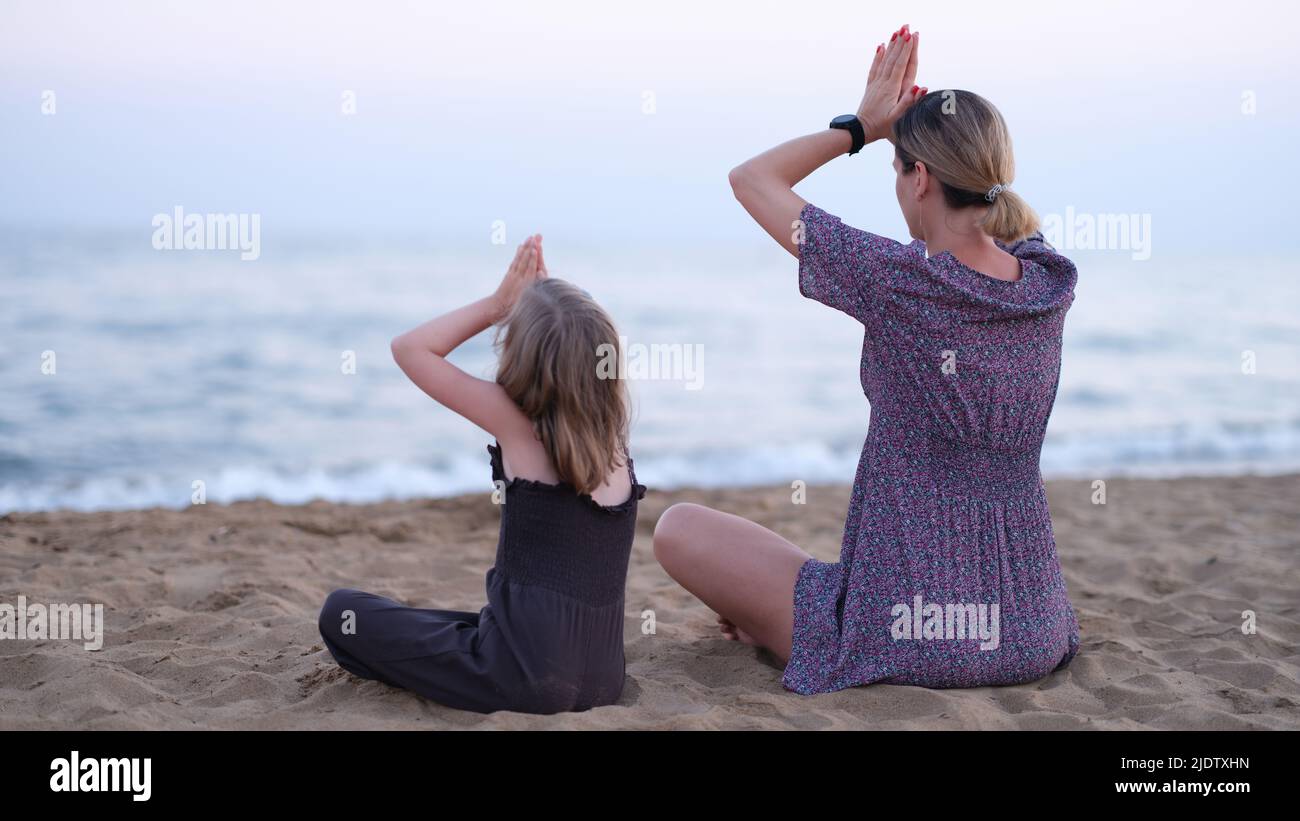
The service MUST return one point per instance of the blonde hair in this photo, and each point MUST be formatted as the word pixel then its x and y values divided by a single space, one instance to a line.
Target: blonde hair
pixel 965 144
pixel 548 347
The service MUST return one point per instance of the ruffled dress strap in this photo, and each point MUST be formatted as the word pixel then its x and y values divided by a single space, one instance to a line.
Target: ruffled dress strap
pixel 638 490
pixel 499 475
pixel 498 466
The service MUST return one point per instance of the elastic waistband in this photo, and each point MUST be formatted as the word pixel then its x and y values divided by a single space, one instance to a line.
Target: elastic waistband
pixel 958 468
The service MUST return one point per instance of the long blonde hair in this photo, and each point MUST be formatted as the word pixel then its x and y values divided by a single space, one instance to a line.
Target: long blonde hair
pixel 548 348
pixel 965 144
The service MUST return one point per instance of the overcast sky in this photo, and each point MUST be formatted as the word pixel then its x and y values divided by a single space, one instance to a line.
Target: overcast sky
pixel 600 122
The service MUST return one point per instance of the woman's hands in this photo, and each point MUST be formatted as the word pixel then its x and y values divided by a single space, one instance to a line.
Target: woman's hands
pixel 764 185
pixel 890 88
pixel 527 267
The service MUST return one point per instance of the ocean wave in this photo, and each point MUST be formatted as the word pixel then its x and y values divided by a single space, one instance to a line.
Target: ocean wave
pixel 1180 451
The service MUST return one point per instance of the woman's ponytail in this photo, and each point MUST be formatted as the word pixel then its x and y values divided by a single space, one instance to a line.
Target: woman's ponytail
pixel 1009 218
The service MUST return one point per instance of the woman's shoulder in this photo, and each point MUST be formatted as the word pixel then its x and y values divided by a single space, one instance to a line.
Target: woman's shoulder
pixel 832 252
pixel 818 224
pixel 872 276
pixel 1037 249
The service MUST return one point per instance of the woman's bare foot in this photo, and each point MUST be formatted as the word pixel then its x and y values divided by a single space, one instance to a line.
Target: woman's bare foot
pixel 733 633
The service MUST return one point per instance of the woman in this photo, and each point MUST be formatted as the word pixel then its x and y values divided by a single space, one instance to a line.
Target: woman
pixel 948 574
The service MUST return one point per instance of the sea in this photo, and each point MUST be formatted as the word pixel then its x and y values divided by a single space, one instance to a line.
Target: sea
pixel 132 377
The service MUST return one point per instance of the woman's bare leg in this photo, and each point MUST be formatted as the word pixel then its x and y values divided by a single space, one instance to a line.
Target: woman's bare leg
pixel 744 572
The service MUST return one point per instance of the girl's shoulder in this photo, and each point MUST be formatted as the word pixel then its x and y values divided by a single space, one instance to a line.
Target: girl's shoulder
pixel 633 493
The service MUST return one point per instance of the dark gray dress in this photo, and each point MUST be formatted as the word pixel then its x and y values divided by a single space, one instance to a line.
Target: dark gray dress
pixel 550 638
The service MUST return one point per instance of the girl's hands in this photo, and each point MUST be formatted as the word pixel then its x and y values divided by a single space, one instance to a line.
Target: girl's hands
pixel 526 268
pixel 890 88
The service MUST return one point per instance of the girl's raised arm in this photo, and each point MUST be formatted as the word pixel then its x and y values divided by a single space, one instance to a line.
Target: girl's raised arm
pixel 421 352
pixel 764 185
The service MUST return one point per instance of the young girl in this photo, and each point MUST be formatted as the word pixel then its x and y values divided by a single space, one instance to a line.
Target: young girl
pixel 550 638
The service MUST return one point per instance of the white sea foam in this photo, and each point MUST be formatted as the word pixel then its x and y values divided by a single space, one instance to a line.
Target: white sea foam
pixel 1175 453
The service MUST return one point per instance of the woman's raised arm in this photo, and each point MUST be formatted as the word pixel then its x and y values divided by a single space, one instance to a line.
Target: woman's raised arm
pixel 765 184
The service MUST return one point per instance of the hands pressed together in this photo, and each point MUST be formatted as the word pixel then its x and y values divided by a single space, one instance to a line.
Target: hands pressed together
pixel 890 85
pixel 527 267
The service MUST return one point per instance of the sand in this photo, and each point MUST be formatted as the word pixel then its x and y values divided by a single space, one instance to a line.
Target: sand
pixel 211 617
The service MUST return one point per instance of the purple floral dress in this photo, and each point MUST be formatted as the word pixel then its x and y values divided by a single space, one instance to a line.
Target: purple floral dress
pixel 948 574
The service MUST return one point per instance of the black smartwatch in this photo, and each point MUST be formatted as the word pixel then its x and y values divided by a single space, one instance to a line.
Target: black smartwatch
pixel 853 125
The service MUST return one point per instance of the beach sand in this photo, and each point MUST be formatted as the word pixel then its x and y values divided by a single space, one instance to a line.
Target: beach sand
pixel 211 617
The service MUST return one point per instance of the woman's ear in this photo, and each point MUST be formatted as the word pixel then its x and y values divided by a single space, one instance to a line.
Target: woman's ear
pixel 921 176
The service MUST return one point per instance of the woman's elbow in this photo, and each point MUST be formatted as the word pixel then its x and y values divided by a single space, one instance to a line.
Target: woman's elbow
pixel 399 347
pixel 739 179
pixel 742 183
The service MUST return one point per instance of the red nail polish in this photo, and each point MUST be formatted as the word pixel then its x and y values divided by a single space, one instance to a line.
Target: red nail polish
pixel 906 36
pixel 894 37
pixel 879 49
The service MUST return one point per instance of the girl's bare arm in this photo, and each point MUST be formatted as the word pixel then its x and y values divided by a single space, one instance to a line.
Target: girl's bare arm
pixel 421 352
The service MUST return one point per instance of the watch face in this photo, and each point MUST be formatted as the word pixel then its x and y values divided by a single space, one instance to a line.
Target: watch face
pixel 842 120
